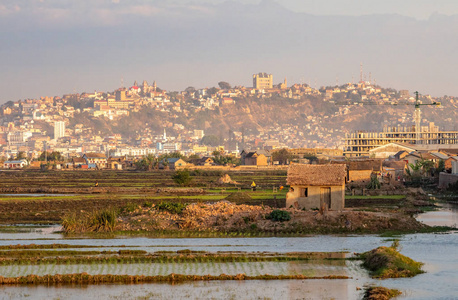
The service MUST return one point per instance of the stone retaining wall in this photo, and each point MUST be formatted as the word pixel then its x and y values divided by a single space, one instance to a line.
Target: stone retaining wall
pixel 445 179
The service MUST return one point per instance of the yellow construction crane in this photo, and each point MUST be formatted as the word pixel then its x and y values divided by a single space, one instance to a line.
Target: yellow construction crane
pixel 416 114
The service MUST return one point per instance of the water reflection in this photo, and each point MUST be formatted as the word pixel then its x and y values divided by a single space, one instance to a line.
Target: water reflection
pixel 314 268
pixel 30 232
pixel 258 289
pixel 437 251
pixel 446 216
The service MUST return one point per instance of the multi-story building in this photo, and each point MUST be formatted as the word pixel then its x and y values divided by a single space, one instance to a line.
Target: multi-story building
pixel 262 81
pixel 120 95
pixel 171 147
pixel 360 142
pixel 97 159
pixel 59 129
pixel 199 133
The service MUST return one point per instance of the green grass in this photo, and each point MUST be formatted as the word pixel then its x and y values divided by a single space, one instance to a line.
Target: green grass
pixel 59 257
pixel 378 292
pixel 387 262
pixel 428 229
pixel 103 220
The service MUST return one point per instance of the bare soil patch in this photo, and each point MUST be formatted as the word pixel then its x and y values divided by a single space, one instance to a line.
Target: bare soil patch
pixel 226 216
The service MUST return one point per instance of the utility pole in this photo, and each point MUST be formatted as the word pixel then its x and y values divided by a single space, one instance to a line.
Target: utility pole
pixel 361 72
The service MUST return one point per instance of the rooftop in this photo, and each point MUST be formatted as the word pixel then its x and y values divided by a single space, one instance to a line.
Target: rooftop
pixel 316 175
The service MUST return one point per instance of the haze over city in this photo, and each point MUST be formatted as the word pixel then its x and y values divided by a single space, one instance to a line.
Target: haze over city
pixel 228 149
pixel 56 47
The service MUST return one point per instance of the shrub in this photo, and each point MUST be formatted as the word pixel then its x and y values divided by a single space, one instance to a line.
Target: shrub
pixel 104 220
pixel 378 292
pixel 99 221
pixel 182 177
pixel 387 262
pixel 196 172
pixel 148 204
pixel 172 207
pixel 72 222
pixel 129 207
pixel 279 215
pixel 374 183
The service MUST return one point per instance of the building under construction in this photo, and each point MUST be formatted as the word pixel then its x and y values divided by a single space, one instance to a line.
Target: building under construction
pixel 359 143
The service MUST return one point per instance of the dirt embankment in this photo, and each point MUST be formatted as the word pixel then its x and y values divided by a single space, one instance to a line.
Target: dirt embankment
pixel 387 262
pixel 226 216
pixel 98 190
pixel 380 293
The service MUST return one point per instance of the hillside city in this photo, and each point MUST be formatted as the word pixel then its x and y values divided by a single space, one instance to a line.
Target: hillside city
pixel 144 119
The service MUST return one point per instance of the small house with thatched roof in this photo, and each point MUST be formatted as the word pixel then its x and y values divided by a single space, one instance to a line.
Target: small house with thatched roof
pixel 316 186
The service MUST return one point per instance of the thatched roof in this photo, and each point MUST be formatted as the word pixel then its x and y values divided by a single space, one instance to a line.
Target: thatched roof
pixel 316 175
pixel 95 155
pixel 359 165
pixel 78 160
pixel 397 165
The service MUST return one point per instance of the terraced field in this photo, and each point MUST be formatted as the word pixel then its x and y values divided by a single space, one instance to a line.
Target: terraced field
pixel 44 197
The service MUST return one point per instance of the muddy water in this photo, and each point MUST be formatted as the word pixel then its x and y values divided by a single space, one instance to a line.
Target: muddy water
pixel 437 251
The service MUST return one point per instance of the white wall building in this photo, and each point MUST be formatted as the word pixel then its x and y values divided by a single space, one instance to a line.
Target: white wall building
pixel 59 129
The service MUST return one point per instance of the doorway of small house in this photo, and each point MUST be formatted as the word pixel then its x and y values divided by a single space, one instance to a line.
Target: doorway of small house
pixel 325 199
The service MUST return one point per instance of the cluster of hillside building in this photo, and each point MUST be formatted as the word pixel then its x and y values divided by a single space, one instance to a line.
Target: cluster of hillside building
pixel 34 125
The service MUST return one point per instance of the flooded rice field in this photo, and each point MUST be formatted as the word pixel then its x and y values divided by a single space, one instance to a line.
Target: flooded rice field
pixel 259 289
pixel 312 269
pixel 438 252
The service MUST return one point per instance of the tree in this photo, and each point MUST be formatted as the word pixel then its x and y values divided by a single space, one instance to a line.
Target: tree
pixel 192 157
pixel 223 160
pixel 171 155
pixel 212 91
pixel 147 163
pixel 374 183
pixel 282 156
pixel 21 155
pixel 440 167
pixel 50 156
pixel 224 85
pixel 190 90
pixel 172 95
pixel 419 169
pixel 182 177
pixel 311 157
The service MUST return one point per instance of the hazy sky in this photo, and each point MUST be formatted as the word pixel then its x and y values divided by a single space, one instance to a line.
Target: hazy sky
pixel 52 47
pixel 420 9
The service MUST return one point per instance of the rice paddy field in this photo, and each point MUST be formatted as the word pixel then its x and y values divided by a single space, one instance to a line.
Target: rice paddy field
pixel 44 264
pixel 135 180
pixel 38 261
pixel 35 197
